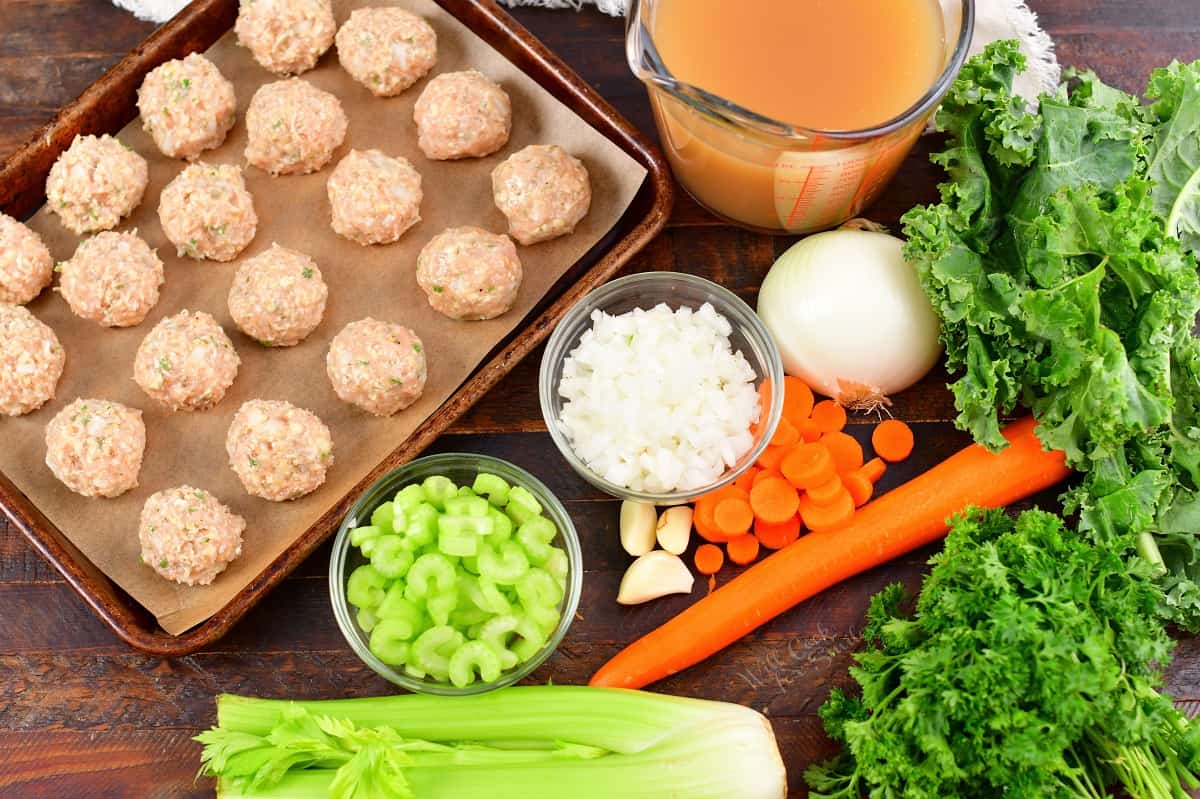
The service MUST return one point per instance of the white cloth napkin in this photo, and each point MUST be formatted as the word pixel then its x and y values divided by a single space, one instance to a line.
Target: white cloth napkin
pixel 994 19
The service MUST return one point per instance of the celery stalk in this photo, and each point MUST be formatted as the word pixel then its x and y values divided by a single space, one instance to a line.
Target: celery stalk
pixel 519 743
pixel 611 718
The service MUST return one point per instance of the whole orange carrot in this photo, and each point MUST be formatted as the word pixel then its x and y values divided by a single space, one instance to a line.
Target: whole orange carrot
pixel 900 521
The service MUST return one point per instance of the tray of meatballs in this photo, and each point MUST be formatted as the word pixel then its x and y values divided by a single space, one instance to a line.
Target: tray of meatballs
pixel 325 233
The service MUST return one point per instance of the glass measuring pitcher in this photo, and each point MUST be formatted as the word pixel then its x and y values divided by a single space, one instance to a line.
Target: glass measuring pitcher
pixel 768 175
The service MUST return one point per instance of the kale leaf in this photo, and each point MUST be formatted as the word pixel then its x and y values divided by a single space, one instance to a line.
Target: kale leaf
pixel 1060 289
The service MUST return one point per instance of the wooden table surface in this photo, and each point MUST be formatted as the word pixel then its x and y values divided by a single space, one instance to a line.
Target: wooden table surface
pixel 81 715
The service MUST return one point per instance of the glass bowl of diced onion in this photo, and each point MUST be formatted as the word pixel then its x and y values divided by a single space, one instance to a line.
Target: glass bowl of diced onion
pixel 677 290
pixel 461 469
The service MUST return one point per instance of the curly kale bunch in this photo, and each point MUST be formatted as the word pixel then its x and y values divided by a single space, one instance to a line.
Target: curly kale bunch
pixel 1058 262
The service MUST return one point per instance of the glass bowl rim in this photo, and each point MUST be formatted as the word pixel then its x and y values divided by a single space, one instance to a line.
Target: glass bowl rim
pixel 725 302
pixel 339 559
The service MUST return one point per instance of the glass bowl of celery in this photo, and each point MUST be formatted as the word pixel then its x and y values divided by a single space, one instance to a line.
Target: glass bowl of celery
pixel 455 574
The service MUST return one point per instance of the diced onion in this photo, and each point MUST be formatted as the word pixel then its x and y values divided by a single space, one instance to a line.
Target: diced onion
pixel 658 400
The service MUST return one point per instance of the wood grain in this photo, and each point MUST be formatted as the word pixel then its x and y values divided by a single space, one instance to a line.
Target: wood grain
pixel 83 716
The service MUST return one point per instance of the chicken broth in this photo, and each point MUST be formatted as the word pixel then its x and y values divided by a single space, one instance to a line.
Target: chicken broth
pixel 817 65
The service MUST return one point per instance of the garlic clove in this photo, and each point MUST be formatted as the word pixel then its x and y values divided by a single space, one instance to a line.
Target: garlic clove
pixel 653 575
pixel 637 527
pixel 675 529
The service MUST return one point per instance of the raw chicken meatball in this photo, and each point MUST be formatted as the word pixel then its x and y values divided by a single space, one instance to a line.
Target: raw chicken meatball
pixel 187 106
pixel 278 451
pixel 95 447
pixel 469 273
pixel 544 192
pixel 378 366
pixel 292 127
pixel 278 297
pixel 207 212
pixel 462 115
pixel 285 36
pixel 112 279
pixel 386 49
pixel 186 362
pixel 188 536
pixel 374 198
pixel 96 182
pixel 31 361
pixel 25 264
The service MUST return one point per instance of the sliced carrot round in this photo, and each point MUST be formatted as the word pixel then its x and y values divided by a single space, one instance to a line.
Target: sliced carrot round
pixel 702 520
pixel 808 430
pixel 743 549
pixel 746 480
pixel 765 474
pixel 859 486
pixel 846 451
pixel 892 440
pixel 777 536
pixel 828 416
pixel 771 457
pixel 786 434
pixel 733 516
pixel 709 559
pixel 774 500
pixel 797 399
pixel 873 469
pixel 827 492
pixel 807 465
pixel 826 517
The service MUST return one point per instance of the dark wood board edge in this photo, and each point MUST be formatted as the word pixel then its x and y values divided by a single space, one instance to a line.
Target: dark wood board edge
pixel 22 180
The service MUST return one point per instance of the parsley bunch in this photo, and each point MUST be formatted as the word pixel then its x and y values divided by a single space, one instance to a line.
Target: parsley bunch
pixel 1030 667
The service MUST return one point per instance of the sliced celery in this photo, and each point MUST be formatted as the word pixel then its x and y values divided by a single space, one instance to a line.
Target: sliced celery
pixel 471 657
pixel 382 517
pixel 537 588
pixel 389 641
pixel 493 486
pixel 396 607
pixel 546 618
pixel 535 536
pixel 365 587
pixel 421 529
pixel 391 557
pixel 558 565
pixel 522 505
pixel 432 573
pixel 469 559
pixel 502 526
pixel 366 619
pixel 468 615
pixel 432 650
pixel 440 606
pixel 505 563
pixel 438 489
pixel 360 535
pixel 410 497
pixel 485 595
pixel 467 506
pixel 496 632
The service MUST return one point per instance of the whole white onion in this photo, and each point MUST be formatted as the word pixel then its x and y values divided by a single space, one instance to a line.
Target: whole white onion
pixel 849 316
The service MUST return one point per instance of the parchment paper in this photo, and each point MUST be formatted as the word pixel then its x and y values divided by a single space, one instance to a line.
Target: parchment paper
pixel 374 281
